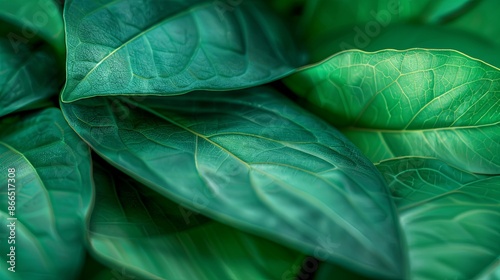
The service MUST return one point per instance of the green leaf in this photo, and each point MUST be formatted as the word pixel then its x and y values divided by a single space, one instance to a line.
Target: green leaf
pixel 482 20
pixel 492 273
pixel 253 160
pixel 29 19
pixel 416 36
pixel 140 233
pixel 26 77
pixel 451 218
pixel 53 193
pixel 325 19
pixel 151 47
pixel 418 102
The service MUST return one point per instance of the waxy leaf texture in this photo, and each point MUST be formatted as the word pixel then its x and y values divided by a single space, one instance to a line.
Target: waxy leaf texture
pixel 254 160
pixel 135 229
pixel 451 218
pixel 148 47
pixel 410 103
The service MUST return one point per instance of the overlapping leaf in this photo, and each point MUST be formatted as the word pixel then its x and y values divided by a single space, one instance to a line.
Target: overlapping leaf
pixel 451 218
pixel 330 26
pixel 140 233
pixel 25 21
pixel 253 160
pixel 482 20
pixel 410 103
pixel 27 76
pixel 53 193
pixel 165 48
pixel 416 36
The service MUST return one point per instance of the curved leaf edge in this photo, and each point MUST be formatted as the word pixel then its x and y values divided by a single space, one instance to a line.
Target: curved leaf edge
pixel 250 228
pixel 443 51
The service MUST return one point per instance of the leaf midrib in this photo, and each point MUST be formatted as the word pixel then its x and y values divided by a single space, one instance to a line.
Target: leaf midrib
pixel 350 226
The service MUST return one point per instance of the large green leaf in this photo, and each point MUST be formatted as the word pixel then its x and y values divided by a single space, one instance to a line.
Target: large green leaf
pixel 410 103
pixel 138 232
pixel 53 193
pixel 155 47
pixel 451 218
pixel 253 160
pixel 26 76
pixel 29 19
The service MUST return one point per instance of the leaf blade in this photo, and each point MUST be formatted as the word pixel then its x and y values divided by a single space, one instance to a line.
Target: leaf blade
pixel 28 76
pixel 256 151
pixel 450 217
pixel 171 240
pixel 34 18
pixel 191 45
pixel 410 103
pixel 53 195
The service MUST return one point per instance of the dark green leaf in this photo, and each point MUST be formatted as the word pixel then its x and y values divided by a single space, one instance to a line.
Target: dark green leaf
pixel 255 161
pixel 159 48
pixel 416 36
pixel 363 20
pixel 53 193
pixel 482 20
pixel 29 19
pixel 142 234
pixel 451 218
pixel 328 271
pixel 26 77
pixel 418 102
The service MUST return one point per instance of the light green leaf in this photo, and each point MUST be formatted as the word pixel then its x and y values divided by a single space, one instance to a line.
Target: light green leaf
pixel 152 47
pixel 253 160
pixel 139 233
pixel 26 77
pixel 451 218
pixel 53 193
pixel 418 102
pixel 29 19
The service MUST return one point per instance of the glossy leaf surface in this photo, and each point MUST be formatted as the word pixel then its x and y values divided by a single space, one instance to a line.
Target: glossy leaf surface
pixel 253 160
pixel 155 47
pixel 140 233
pixel 53 193
pixel 451 218
pixel 410 103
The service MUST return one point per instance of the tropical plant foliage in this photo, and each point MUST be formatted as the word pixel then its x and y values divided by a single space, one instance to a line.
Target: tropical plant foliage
pixel 193 139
